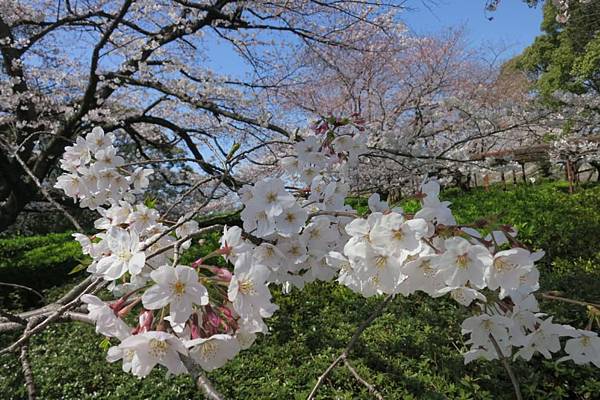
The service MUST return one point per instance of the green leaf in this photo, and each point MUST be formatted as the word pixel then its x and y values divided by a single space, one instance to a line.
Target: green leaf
pixel 104 344
pixel 150 202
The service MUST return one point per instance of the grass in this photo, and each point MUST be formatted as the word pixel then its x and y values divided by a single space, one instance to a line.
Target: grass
pixel 411 352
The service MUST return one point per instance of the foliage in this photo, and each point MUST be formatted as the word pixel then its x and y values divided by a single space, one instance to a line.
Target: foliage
pixel 547 217
pixel 409 352
pixel 38 262
pixel 566 57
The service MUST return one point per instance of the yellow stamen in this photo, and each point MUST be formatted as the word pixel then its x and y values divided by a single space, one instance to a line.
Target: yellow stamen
pixel 246 287
pixel 179 288
pixel 158 348
pixel 462 261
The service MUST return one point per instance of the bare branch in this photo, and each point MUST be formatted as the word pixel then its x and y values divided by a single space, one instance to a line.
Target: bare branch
pixel 35 328
pixel 202 382
pixel 27 373
pixel 47 195
pixel 350 345
pixel 16 285
pixel 359 378
pixel 506 364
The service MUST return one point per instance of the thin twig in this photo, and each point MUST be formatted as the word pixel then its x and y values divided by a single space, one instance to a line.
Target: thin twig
pixel 350 345
pixel 41 296
pixel 508 368
pixel 202 382
pixel 27 373
pixel 359 378
pixel 42 325
pixel 190 216
pixel 567 300
pixel 47 195
pixel 349 214
pixel 199 232
pixel 187 193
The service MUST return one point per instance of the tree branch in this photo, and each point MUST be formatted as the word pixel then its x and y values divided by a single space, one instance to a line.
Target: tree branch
pixel 202 382
pixel 27 373
pixel 350 345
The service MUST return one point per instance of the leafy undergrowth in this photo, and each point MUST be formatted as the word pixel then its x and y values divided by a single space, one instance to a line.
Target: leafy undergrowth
pixel 412 351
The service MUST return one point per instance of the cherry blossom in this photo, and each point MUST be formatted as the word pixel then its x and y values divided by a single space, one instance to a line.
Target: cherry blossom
pixel 213 352
pixel 142 352
pixel 177 287
pixel 583 349
pixel 107 322
pixel 464 262
pixel 126 255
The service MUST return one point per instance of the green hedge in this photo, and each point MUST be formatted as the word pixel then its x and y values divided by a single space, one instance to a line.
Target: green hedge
pixel 38 262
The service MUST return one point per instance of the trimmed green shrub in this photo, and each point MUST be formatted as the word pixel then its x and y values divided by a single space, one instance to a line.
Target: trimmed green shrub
pixel 38 262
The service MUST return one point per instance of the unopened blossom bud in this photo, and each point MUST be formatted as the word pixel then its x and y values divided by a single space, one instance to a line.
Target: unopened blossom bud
pixel 118 305
pixel 222 273
pixel 197 263
pixel 194 328
pixel 228 321
pixel 127 309
pixel 145 322
pixel 212 317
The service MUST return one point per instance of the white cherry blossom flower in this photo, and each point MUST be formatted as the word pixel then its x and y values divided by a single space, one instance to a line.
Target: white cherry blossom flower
pixel 97 140
pixel 393 235
pixel 291 220
pixel 185 230
pixel 507 268
pixel 463 295
pixel 107 322
pixel 139 178
pixel 213 352
pixel 583 349
pixel 248 291
pixel 269 255
pixel 232 243
pixel 480 328
pixel 126 255
pixel 545 339
pixel 480 353
pixel 142 218
pixel 108 158
pixel 178 287
pixel 145 350
pixel 422 274
pixel 464 262
pixel 71 184
pixel 271 197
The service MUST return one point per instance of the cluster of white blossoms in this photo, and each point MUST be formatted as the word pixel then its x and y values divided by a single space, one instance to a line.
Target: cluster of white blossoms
pixel 577 149
pixel 392 253
pixel 95 175
pixel 293 235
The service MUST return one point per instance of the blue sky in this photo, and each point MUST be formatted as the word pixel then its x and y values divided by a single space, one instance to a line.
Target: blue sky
pixel 514 24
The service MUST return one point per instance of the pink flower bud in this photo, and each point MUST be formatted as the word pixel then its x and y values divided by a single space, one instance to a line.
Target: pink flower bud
pixel 212 317
pixel 225 250
pixel 222 274
pixel 194 328
pixel 118 305
pixel 145 322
